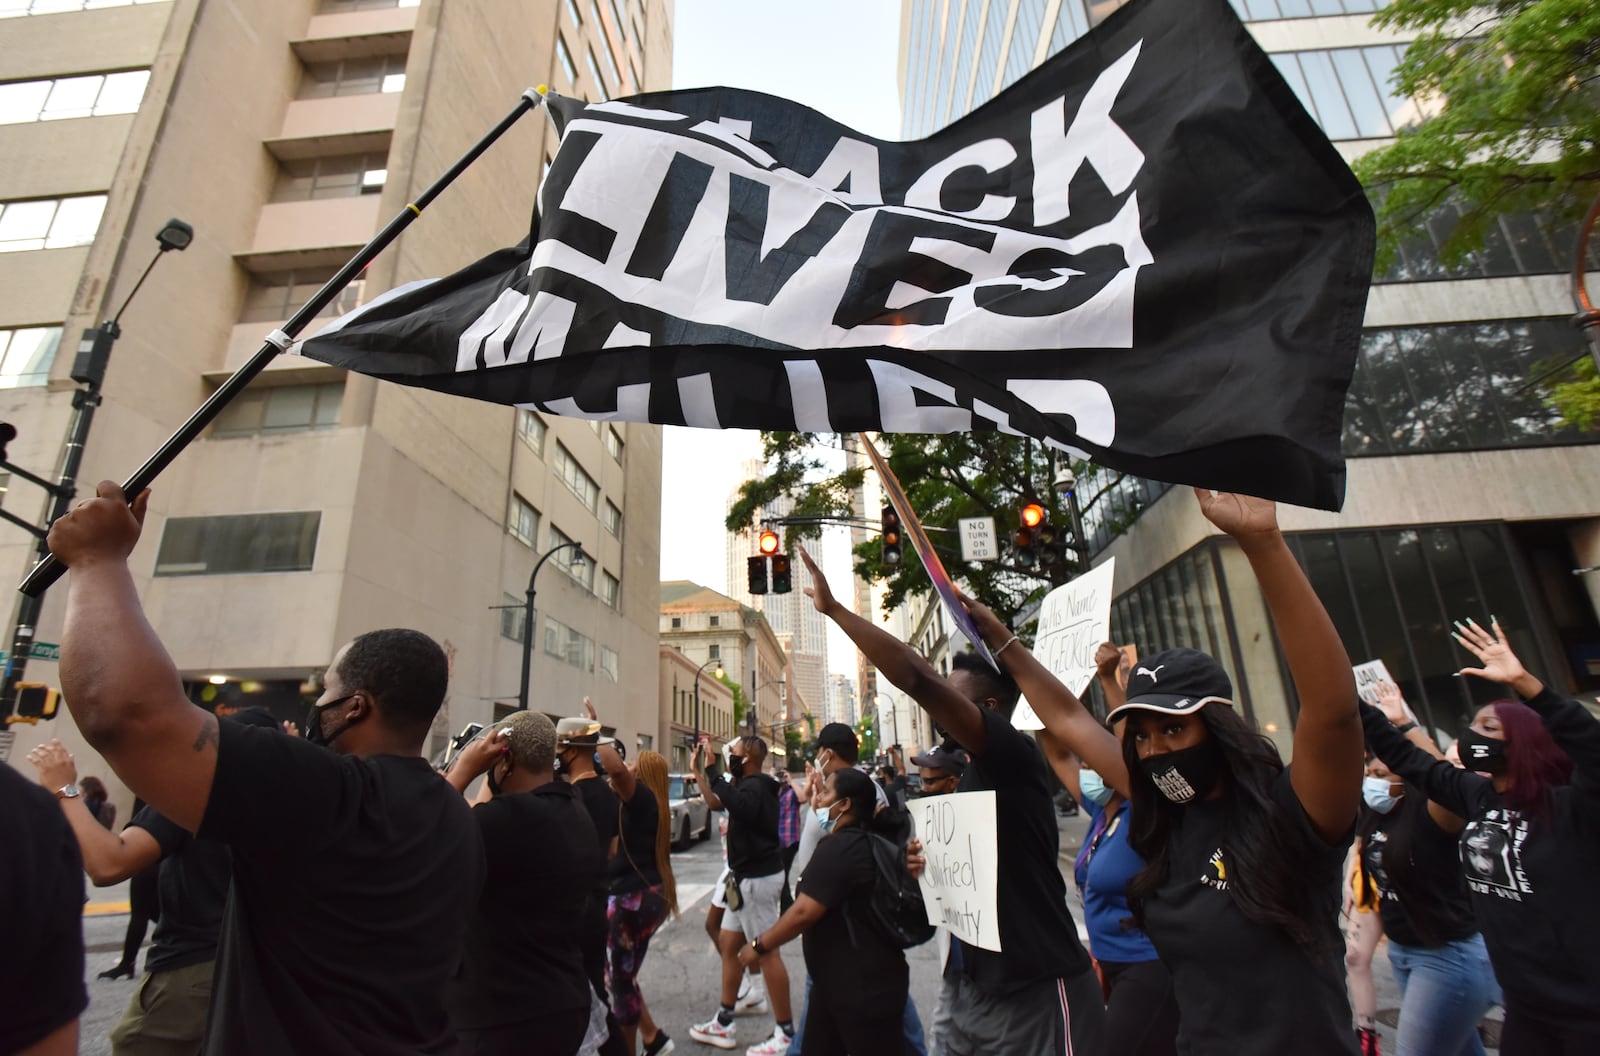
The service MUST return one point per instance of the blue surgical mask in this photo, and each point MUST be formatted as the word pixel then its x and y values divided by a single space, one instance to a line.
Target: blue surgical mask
pixel 824 818
pixel 1093 788
pixel 1375 790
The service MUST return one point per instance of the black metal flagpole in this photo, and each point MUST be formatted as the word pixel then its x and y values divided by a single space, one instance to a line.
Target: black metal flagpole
pixel 47 571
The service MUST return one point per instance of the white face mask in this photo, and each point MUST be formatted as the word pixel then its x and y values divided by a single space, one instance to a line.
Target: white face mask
pixel 825 817
pixel 1093 788
pixel 1375 790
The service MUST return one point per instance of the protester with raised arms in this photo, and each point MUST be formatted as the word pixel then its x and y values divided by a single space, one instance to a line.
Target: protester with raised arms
pixel 523 988
pixel 1040 994
pixel 860 981
pixel 355 865
pixel 1530 849
pixel 1241 891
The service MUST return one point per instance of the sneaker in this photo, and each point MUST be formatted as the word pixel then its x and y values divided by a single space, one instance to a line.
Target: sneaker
pixel 777 1045
pixel 1368 1039
pixel 752 1000
pixel 660 1047
pixel 712 1032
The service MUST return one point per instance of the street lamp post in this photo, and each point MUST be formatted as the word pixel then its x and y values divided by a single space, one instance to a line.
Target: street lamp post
pixel 89 370
pixel 528 615
pixel 697 675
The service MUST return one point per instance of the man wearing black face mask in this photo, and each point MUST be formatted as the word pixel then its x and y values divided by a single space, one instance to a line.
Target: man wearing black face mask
pixel 523 988
pixel 353 872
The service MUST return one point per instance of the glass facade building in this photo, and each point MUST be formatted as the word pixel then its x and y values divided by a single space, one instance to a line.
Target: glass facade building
pixel 1469 493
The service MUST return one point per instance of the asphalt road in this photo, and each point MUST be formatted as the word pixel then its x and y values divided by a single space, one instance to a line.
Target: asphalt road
pixel 680 974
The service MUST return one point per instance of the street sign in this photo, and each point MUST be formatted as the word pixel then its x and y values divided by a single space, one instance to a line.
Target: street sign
pixel 44 651
pixel 977 539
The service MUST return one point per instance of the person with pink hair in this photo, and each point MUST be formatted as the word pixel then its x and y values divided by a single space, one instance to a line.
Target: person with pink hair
pixel 1529 791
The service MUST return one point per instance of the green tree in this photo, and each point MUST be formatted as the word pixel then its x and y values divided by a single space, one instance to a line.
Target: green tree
pixel 738 702
pixel 1511 105
pixel 867 731
pixel 794 745
pixel 946 477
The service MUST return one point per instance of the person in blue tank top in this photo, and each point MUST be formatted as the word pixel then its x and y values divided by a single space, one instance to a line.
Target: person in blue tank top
pixel 1141 1009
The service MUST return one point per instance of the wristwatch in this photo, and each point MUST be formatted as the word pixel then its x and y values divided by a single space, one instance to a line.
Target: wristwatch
pixel 755 944
pixel 70 790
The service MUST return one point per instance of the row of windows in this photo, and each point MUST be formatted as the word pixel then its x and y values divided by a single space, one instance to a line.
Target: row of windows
pixel 65 97
pixel 275 296
pixel 569 644
pixel 522 522
pixel 1270 10
pixel 713 721
pixel 18 8
pixel 1515 244
pixel 336 176
pixel 577 480
pixel 50 223
pixel 339 7
pixel 368 75
pixel 281 409
pixel 966 50
pixel 238 543
pixel 1348 90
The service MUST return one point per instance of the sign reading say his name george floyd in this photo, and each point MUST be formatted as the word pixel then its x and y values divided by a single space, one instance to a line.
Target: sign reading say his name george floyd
pixel 1144 251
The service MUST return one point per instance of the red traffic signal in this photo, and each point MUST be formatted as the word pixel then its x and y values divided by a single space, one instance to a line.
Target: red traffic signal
pixel 1032 515
pixel 768 543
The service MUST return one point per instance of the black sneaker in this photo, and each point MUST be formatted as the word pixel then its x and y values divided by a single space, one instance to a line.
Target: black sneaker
pixel 660 1046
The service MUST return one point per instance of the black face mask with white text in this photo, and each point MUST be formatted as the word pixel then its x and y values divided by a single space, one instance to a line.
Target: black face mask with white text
pixel 1483 754
pixel 1187 774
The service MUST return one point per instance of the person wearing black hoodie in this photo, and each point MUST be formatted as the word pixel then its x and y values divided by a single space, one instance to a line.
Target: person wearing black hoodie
pixel 1531 845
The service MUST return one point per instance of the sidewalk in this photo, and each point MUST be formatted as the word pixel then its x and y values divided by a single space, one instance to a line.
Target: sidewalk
pixel 105 901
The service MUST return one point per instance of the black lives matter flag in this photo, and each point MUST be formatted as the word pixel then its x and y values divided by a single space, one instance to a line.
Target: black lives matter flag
pixel 1145 252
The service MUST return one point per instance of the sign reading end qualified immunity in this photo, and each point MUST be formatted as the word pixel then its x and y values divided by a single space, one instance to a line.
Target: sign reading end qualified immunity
pixel 958 885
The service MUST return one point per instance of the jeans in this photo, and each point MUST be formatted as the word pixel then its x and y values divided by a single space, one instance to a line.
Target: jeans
pixel 1444 992
pixel 912 1023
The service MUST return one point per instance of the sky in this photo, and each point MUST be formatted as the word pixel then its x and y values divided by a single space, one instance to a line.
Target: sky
pixel 841 59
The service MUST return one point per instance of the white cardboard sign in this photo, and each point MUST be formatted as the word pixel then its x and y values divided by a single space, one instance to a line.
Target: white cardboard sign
pixel 1368 676
pixel 1073 621
pixel 959 884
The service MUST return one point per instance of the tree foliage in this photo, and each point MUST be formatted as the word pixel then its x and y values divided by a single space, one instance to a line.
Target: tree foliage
pixel 1511 100
pixel 946 477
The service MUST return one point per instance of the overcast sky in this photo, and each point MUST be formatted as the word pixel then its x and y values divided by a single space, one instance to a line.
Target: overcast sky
pixel 839 58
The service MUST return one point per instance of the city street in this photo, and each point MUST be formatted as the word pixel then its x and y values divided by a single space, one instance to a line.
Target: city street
pixel 680 974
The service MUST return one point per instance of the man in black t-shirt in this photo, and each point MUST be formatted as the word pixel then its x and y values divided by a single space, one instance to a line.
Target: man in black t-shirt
pixel 522 989
pixel 41 923
pixel 354 868
pixel 1040 995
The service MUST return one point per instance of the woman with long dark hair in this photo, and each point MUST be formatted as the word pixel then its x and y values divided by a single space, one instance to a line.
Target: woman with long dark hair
pixel 859 978
pixel 1240 891
pixel 1530 849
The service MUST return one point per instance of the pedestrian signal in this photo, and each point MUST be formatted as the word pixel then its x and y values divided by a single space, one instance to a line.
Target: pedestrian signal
pixel 36 701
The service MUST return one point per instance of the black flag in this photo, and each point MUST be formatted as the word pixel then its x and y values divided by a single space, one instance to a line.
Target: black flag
pixel 1145 251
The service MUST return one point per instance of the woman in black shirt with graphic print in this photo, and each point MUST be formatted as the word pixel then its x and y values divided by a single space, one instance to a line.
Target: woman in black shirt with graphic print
pixel 859 978
pixel 1241 891
pixel 1531 847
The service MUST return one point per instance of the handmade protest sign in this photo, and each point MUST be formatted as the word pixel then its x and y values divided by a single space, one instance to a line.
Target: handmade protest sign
pixel 1368 677
pixel 1073 621
pixel 958 885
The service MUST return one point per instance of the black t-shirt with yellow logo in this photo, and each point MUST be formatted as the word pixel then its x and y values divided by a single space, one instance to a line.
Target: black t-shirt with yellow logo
pixel 1242 987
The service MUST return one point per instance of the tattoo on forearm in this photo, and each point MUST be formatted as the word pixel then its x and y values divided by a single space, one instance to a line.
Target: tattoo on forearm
pixel 208 734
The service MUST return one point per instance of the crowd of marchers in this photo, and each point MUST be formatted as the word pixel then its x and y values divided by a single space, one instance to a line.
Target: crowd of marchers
pixel 332 892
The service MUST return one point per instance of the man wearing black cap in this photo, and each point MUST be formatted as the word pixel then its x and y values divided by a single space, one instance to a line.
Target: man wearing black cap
pixel 1040 995
pixel 941 768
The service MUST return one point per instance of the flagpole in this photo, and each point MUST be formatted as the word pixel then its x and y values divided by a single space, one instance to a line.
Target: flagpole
pixel 47 571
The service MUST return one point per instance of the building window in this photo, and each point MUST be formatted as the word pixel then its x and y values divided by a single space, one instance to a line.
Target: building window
pixel 1348 90
pixel 1072 23
pixel 26 355
pixel 226 545
pixel 354 76
pixel 716 621
pixel 531 428
pixel 611 517
pixel 523 521
pixel 988 52
pixel 284 409
pixel 567 66
pixel 340 176
pixel 614 444
pixel 93 96
pixel 513 617
pixel 594 72
pixel 275 296
pixel 1272 10
pixel 605 43
pixel 572 13
pixel 570 645
pixel 1024 38
pixel 339 7
pixel 677 625
pixel 1513 244
pixel 18 8
pixel 50 223
pixel 610 664
pixel 571 561
pixel 1460 386
pixel 610 589
pixel 714 652
pixel 573 476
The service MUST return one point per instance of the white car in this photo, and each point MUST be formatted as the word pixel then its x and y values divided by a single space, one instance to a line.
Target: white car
pixel 691 818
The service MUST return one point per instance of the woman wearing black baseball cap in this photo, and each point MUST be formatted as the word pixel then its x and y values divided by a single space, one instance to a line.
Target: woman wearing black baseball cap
pixel 1241 891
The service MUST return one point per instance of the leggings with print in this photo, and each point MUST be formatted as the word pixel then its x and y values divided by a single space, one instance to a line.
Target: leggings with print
pixel 633 918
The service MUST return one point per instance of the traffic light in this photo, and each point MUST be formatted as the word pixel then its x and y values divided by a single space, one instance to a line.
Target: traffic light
pixel 780 574
pixel 1027 538
pixel 36 701
pixel 758 574
pixel 768 543
pixel 1050 545
pixel 891 537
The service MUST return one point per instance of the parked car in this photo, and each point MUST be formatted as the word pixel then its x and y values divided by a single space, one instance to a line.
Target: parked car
pixel 691 818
